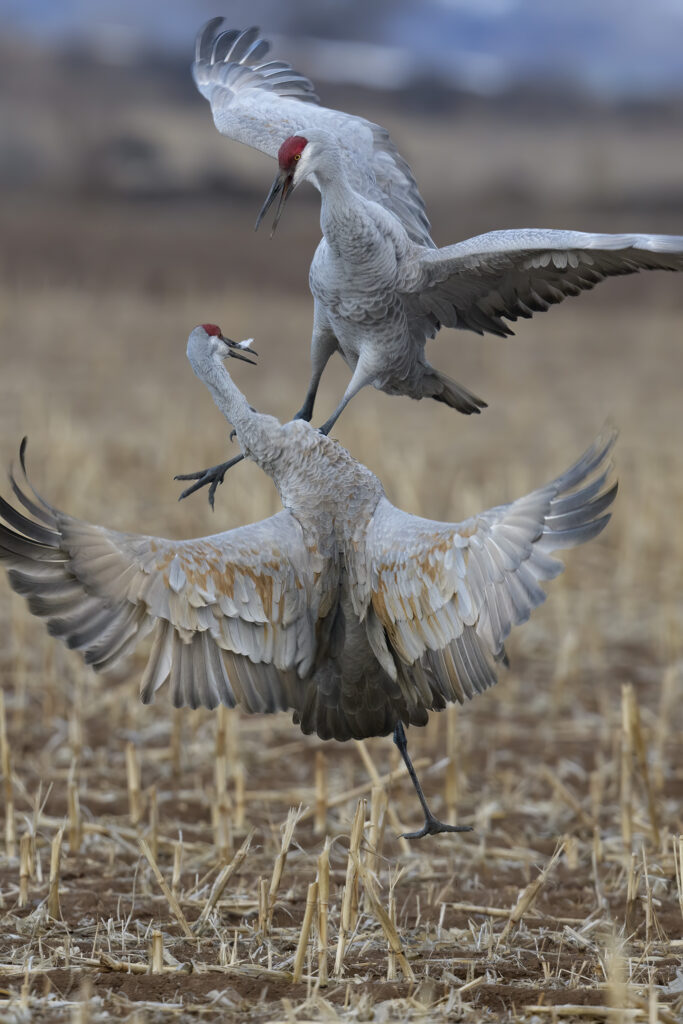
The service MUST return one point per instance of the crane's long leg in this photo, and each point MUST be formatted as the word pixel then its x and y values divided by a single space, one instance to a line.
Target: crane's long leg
pixel 213 476
pixel 323 346
pixel 360 379
pixel 432 825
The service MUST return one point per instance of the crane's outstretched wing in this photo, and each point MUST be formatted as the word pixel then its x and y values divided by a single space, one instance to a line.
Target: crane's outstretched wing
pixel 234 614
pixel 446 596
pixel 261 103
pixel 478 284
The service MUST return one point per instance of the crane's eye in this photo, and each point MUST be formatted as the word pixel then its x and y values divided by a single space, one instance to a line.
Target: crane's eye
pixel 297 156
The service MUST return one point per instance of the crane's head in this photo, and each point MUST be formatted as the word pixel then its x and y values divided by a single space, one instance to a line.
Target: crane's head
pixel 292 170
pixel 210 340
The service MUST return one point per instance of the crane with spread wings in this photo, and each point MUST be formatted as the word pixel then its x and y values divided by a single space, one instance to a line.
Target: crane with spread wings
pixel 352 614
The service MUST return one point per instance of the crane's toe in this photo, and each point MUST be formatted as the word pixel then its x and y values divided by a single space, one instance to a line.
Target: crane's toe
pixel 211 478
pixel 432 827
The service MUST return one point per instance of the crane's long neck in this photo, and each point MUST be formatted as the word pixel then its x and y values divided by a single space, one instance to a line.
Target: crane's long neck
pixel 338 199
pixel 255 433
pixel 345 218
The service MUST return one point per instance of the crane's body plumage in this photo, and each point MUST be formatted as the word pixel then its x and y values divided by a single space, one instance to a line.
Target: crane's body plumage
pixel 341 608
pixel 381 287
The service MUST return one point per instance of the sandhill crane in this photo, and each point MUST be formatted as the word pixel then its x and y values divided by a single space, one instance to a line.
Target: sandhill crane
pixel 347 611
pixel 381 288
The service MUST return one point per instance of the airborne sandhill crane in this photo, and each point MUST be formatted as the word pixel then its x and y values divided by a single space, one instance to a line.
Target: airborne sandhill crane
pixel 381 288
pixel 347 611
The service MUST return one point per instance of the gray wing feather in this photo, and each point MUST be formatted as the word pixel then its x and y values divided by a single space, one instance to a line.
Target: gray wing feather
pixel 480 283
pixel 233 614
pixel 262 103
pixel 447 596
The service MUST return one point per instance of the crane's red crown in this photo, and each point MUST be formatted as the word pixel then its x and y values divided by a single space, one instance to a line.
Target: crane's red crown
pixel 212 329
pixel 290 151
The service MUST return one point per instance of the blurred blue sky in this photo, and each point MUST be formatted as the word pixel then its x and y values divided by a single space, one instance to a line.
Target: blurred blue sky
pixel 611 47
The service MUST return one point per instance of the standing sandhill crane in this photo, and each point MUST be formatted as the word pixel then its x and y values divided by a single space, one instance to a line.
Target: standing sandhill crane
pixel 381 288
pixel 353 614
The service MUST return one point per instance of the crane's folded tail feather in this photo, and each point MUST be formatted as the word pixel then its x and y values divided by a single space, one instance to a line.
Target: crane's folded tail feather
pixel 450 392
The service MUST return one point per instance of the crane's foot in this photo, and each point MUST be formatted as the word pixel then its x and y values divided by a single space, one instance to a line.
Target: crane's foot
pixel 327 427
pixel 211 478
pixel 432 827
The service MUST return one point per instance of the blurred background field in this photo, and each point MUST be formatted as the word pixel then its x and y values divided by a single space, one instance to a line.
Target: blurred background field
pixel 125 220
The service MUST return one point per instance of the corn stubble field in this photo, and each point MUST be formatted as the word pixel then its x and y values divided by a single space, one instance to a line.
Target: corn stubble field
pixel 160 864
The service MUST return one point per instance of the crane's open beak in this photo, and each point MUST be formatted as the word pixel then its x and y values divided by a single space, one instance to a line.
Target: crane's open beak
pixel 238 349
pixel 281 187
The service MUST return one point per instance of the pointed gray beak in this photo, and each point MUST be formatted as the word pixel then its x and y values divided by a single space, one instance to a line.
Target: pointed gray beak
pixel 282 186
pixel 236 351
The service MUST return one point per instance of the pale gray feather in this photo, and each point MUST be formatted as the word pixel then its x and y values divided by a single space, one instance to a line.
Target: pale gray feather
pixel 261 103
pixel 480 283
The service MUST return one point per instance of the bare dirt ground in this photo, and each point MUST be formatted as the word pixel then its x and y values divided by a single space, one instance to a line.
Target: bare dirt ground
pixel 565 901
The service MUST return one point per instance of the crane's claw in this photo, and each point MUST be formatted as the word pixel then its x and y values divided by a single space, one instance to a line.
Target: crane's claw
pixel 432 827
pixel 211 477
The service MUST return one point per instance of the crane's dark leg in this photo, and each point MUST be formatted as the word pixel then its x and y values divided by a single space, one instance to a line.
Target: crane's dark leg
pixel 306 410
pixel 323 346
pixel 432 825
pixel 360 379
pixel 213 476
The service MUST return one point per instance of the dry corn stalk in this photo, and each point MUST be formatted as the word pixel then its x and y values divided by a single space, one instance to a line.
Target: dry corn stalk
pixel 378 817
pixel 320 820
pixel 240 802
pixel 678 863
pixel 25 867
pixel 153 822
pixel 6 767
pixel 176 745
pixel 378 781
pixel 667 703
pixel 177 864
pixel 323 905
pixel 133 774
pixel 626 786
pixel 163 884
pixel 53 892
pixel 632 885
pixel 567 796
pixel 311 905
pixel 388 926
pixel 617 989
pixel 293 816
pixel 349 908
pixel 74 811
pixel 262 889
pixel 81 1012
pixel 529 895
pixel 156 960
pixel 638 744
pixel 392 973
pixel 222 880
